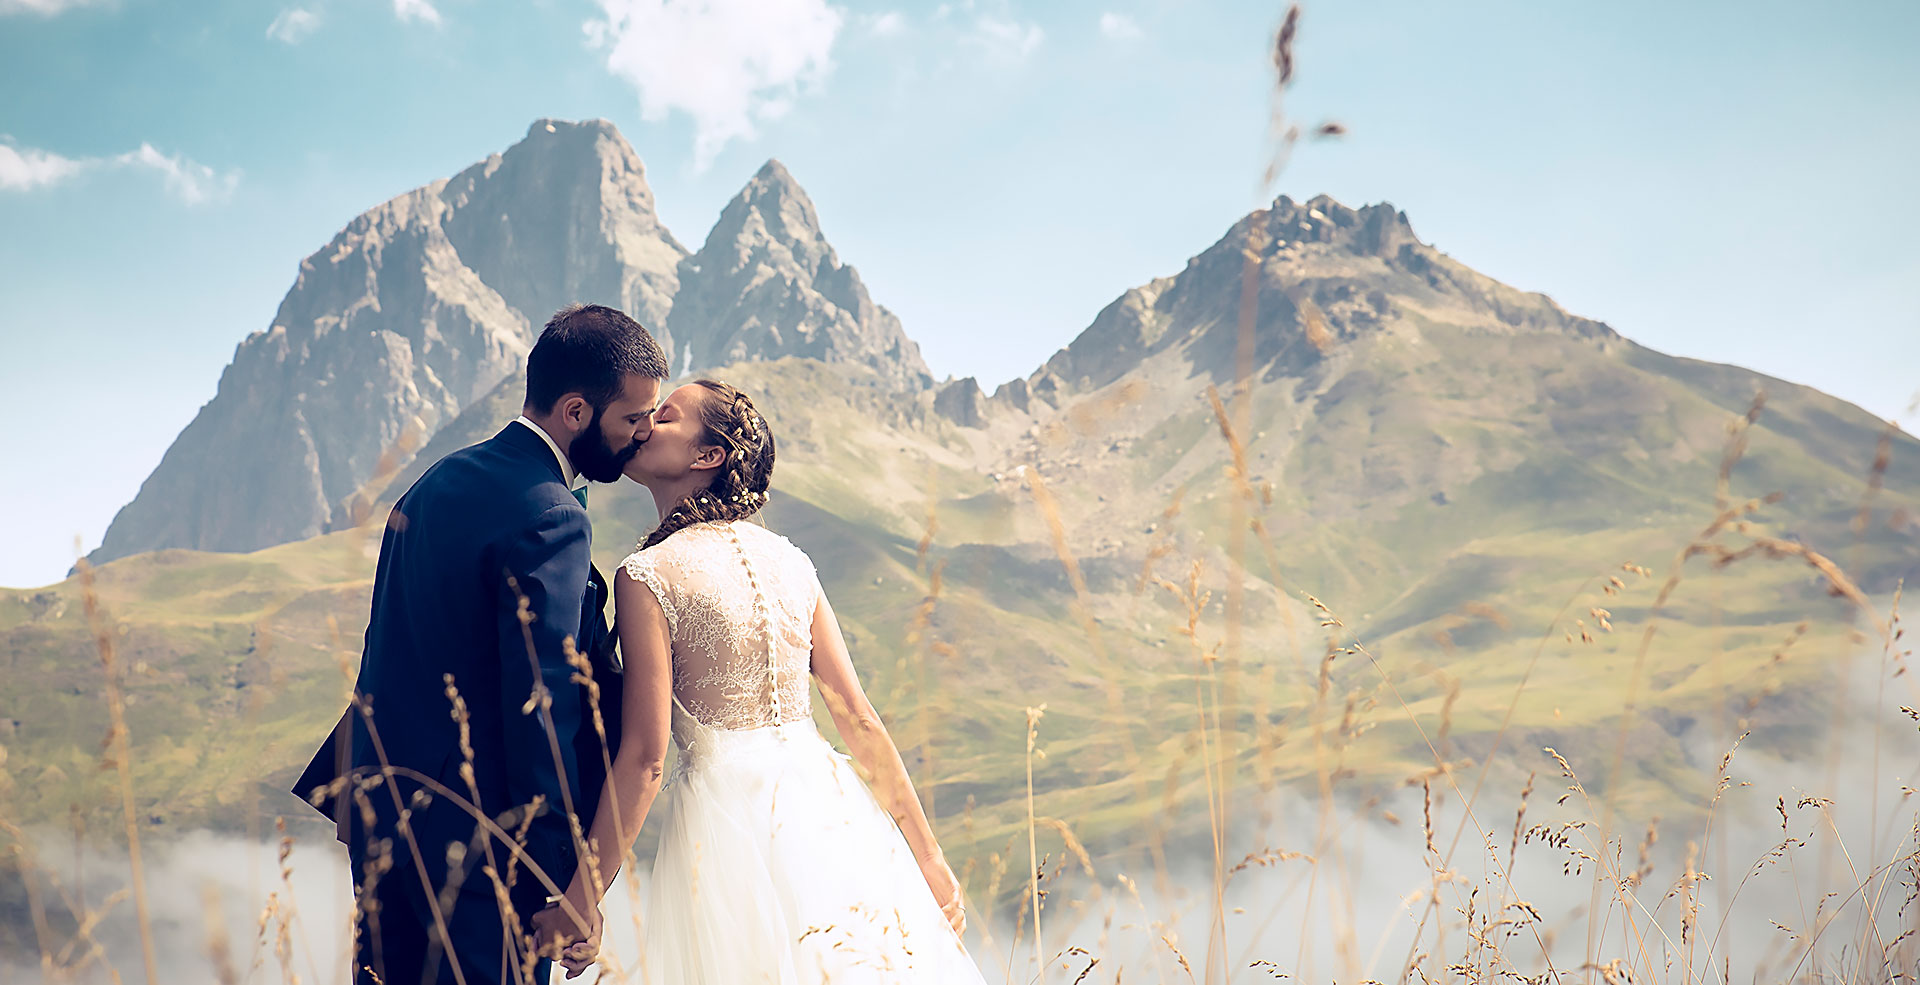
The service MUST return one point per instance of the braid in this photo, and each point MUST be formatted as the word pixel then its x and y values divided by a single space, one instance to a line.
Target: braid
pixel 739 488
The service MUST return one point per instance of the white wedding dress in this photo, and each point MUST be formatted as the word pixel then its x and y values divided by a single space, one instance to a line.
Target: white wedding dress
pixel 776 863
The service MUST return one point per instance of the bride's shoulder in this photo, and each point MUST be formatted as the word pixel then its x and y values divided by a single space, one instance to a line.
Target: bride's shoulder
pixel 681 548
pixel 785 547
pixel 650 560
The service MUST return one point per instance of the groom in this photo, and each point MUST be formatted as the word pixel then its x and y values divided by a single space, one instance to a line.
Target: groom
pixel 484 581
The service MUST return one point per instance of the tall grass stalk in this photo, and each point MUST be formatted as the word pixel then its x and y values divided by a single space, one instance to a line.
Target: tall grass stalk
pixel 120 757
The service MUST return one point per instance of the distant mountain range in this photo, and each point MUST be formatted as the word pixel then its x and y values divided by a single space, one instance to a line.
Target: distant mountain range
pixel 1456 467
pixel 421 305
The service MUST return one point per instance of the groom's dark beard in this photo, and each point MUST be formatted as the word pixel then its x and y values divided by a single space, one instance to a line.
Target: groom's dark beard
pixel 594 458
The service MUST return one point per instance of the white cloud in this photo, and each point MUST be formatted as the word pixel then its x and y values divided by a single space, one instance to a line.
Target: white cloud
pixel 416 10
pixel 23 169
pixel 724 63
pixel 293 24
pixel 44 8
pixel 1006 39
pixel 27 168
pixel 194 183
pixel 887 25
pixel 1119 27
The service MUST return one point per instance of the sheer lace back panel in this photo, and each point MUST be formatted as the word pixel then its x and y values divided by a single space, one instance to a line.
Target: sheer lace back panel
pixel 739 601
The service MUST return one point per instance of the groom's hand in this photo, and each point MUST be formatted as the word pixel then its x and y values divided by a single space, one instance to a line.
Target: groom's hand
pixel 559 936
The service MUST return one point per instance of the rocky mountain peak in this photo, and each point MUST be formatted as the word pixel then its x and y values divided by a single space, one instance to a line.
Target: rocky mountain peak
pixel 778 201
pixel 414 310
pixel 565 215
pixel 1374 230
pixel 771 217
pixel 766 284
pixel 1326 275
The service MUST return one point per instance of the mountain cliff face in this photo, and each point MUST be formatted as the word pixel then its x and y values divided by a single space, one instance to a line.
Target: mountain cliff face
pixel 766 284
pixel 425 304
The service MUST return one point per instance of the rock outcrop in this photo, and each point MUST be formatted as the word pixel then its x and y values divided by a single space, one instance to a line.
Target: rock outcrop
pixel 961 402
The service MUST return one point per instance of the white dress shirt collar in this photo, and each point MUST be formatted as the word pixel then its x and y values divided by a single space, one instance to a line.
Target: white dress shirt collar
pixel 566 464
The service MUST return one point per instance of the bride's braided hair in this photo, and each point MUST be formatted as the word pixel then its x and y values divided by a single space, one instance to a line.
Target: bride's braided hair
pixel 739 487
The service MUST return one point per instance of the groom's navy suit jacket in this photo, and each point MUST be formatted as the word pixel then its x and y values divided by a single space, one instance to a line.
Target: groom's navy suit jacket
pixel 484 528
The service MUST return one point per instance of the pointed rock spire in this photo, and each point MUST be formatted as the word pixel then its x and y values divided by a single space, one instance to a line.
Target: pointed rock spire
pixel 767 284
pixel 565 215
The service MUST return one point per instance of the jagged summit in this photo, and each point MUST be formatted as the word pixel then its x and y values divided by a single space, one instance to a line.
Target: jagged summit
pixel 565 215
pixel 1326 274
pixel 766 283
pixel 1371 230
pixel 774 199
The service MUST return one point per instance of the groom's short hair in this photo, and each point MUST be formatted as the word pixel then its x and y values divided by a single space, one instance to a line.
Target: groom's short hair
pixel 589 349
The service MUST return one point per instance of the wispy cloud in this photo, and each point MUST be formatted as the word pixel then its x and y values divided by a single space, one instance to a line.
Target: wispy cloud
pixel 44 8
pixel 1119 27
pixel 192 182
pixel 887 25
pixel 1006 39
pixel 724 63
pixel 293 24
pixel 990 28
pixel 416 10
pixel 28 168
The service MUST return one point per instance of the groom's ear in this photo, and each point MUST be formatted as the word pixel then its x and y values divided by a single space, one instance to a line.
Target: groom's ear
pixel 575 412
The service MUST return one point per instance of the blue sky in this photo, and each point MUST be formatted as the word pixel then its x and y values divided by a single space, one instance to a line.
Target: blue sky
pixel 1722 180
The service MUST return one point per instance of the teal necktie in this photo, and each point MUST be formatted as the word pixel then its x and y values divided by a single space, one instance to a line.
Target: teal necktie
pixel 581 495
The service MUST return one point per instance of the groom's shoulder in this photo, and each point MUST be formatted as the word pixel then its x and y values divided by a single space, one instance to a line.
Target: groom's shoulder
pixel 494 473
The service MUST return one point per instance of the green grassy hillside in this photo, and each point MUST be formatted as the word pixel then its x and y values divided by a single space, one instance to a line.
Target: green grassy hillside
pixel 1464 549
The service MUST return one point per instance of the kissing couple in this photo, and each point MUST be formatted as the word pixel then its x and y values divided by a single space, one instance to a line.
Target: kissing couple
pixel 504 746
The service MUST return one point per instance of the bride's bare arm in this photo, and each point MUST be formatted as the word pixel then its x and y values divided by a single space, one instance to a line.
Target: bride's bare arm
pixel 640 765
pixel 867 739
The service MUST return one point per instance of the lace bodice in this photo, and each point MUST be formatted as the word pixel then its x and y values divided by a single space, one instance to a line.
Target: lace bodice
pixel 739 601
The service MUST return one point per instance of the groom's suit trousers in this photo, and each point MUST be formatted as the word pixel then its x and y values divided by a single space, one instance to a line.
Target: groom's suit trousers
pixel 396 944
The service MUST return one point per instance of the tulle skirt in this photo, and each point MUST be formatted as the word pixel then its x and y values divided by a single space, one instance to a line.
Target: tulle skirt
pixel 777 865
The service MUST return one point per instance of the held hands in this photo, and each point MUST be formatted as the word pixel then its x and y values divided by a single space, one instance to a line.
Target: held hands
pixel 559 936
pixel 946 890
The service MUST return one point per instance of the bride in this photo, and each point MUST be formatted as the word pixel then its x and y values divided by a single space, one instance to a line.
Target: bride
pixel 776 862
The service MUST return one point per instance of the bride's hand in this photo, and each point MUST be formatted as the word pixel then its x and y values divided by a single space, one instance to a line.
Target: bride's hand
pixel 558 936
pixel 946 891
